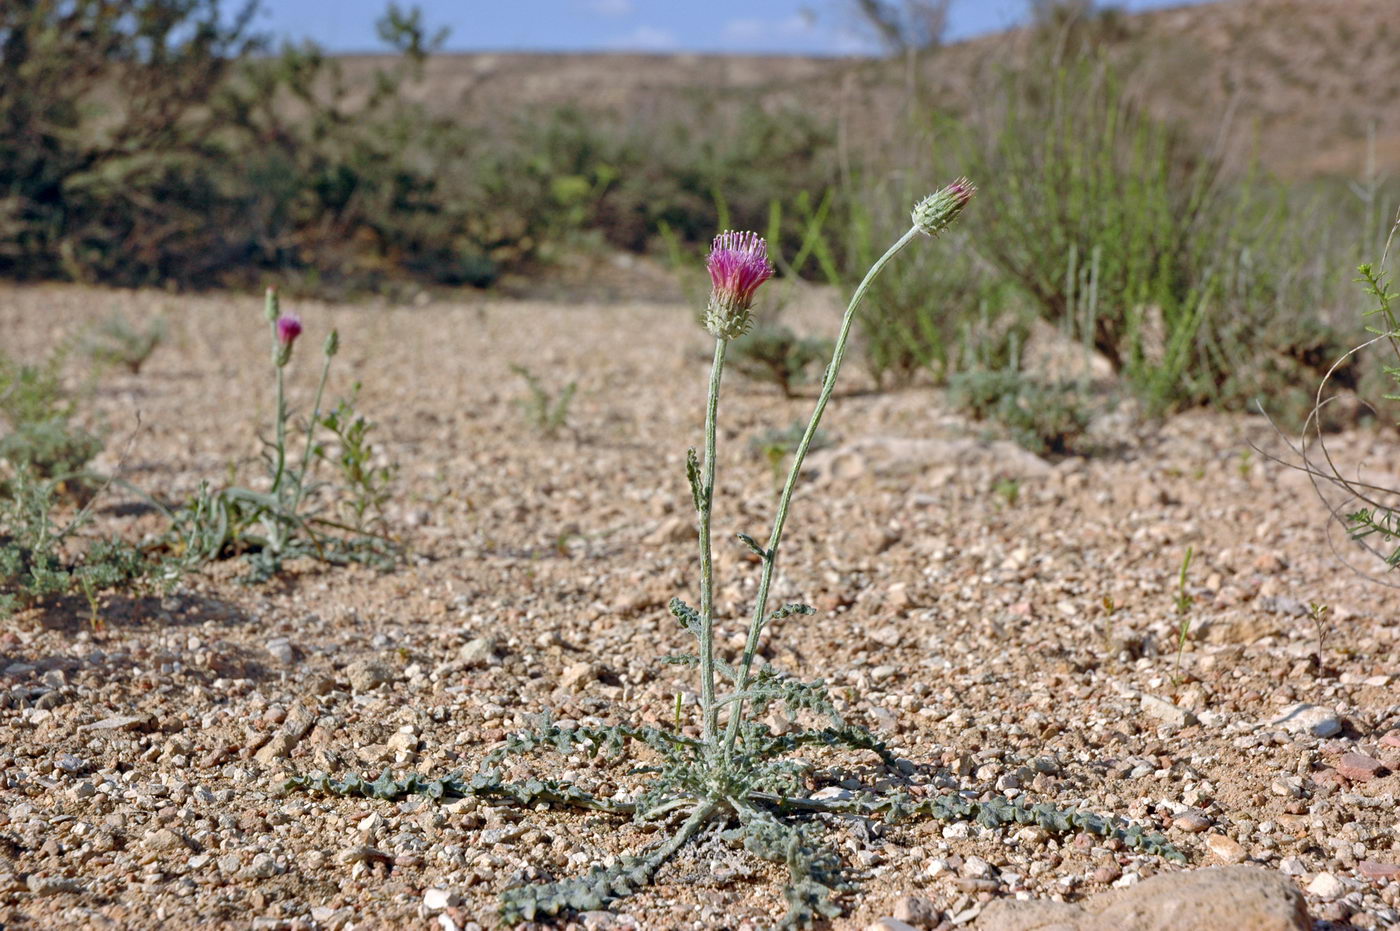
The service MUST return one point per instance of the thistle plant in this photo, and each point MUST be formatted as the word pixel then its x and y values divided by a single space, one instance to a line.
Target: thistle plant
pixel 736 777
pixel 269 527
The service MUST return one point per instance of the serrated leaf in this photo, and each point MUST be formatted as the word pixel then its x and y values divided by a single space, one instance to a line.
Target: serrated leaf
pixel 752 544
pixel 692 474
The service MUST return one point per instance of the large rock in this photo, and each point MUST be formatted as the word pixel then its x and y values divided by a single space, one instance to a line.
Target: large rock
pixel 1241 898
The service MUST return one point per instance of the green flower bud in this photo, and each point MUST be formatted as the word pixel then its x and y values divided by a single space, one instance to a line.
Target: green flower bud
pixel 935 213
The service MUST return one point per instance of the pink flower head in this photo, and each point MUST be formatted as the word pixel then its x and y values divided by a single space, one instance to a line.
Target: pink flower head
pixel 738 264
pixel 288 329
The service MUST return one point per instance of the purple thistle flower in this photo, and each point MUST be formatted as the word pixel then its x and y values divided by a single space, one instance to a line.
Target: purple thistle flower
pixel 738 264
pixel 288 329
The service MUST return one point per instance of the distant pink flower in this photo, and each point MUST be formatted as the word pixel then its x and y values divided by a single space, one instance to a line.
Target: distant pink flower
pixel 288 329
pixel 738 264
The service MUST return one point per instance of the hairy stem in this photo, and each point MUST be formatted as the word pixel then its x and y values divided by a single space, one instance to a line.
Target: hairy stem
pixel 310 435
pixel 707 573
pixel 760 611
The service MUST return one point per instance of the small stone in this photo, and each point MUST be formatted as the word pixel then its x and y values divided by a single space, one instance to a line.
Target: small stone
pixel 367 674
pixel 264 866
pixel 1380 872
pixel 1236 897
pixel 478 652
pixel 70 764
pixel 282 650
pixel 1358 767
pixel 1292 866
pixel 1303 718
pixel 1165 711
pixel 278 748
pixel 53 885
pixel 1326 887
pixel 363 853
pixel 916 911
pixel 1191 822
pixel 577 676
pixel 889 636
pixel 833 794
pixel 889 924
pixel 135 723
pixel 230 863
pixel 164 839
pixel 435 900
pixel 976 868
pixel 1109 872
pixel 1226 849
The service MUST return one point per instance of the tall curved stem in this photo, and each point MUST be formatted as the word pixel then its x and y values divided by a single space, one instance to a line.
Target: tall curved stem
pixel 770 561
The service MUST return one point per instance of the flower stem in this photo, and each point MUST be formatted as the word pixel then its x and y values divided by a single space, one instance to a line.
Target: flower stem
pixel 707 571
pixel 311 423
pixel 760 612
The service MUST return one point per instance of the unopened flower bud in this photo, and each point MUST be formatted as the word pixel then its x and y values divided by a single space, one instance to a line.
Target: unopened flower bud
pixel 288 329
pixel 738 264
pixel 332 343
pixel 934 213
pixel 271 306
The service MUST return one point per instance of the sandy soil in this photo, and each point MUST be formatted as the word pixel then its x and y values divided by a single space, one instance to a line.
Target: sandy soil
pixel 999 618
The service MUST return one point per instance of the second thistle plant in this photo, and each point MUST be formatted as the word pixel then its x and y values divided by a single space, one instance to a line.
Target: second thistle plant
pixel 269 527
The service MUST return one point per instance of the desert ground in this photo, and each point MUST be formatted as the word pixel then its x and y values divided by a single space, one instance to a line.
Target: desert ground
pixel 1008 624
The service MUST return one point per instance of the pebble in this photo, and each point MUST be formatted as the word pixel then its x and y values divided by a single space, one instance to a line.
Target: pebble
pixel 264 866
pixel 435 900
pixel 477 652
pixel 578 675
pixel 282 650
pixel 1225 849
pixel 367 674
pixel 1191 822
pixel 916 911
pixel 1303 718
pixel 1358 767
pixel 1326 886
pixel 1373 869
pixel 889 924
pixel 363 853
pixel 1168 713
pixel 53 885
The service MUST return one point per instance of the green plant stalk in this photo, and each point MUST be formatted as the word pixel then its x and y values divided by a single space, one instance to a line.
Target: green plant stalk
pixel 707 571
pixel 770 560
pixel 311 423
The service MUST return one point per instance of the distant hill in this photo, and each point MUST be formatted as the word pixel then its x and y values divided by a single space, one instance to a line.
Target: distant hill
pixel 1301 84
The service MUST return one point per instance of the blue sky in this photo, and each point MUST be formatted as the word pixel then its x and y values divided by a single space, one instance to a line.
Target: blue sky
pixel 817 27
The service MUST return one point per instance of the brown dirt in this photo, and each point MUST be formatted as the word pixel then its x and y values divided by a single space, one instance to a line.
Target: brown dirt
pixel 984 609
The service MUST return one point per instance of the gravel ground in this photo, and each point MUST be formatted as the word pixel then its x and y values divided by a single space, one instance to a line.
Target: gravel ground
pixel 1007 623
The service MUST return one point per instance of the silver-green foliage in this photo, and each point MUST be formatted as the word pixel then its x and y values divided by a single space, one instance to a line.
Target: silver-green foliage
pixel 738 775
pixel 295 517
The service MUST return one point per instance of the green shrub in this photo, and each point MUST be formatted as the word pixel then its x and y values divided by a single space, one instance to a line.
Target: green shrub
pixel 116 341
pixel 36 412
pixel 1045 418
pixel 1194 300
pixel 41 560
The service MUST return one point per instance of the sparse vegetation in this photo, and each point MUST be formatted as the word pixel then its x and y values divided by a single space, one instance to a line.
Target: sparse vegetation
pixel 118 342
pixel 288 520
pixel 546 410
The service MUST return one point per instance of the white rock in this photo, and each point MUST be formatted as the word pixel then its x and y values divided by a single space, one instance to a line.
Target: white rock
pixel 1303 718
pixel 1326 886
pixel 437 899
pixel 889 924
